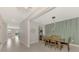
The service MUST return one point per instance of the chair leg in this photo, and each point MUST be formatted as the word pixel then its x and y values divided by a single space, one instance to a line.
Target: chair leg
pixel 61 47
pixel 68 48
pixel 45 43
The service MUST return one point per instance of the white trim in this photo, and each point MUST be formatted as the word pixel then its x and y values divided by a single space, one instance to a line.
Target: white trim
pixel 33 42
pixel 74 45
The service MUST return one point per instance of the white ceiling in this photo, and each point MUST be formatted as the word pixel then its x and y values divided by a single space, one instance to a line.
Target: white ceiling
pixel 13 16
pixel 61 13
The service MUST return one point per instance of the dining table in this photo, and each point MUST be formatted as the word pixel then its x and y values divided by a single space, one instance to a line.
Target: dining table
pixel 56 41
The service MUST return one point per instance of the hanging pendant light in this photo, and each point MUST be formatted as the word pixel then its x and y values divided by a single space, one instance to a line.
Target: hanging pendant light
pixel 53 18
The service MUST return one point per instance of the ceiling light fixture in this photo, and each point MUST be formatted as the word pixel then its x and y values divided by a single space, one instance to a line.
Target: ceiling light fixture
pixel 53 17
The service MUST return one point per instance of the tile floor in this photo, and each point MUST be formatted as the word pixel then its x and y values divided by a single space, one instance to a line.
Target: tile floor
pixel 13 45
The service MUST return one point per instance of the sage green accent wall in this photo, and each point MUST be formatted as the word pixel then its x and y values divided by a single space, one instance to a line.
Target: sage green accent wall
pixel 66 29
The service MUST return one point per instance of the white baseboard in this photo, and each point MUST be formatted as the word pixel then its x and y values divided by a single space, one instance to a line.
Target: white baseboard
pixel 74 45
pixel 32 42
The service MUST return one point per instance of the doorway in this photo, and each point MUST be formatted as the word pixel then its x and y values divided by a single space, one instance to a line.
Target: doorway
pixel 40 33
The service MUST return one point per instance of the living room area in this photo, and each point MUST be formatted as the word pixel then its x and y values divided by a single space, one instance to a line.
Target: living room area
pixel 40 29
pixel 58 29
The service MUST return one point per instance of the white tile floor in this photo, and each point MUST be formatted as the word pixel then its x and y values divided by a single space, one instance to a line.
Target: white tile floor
pixel 13 45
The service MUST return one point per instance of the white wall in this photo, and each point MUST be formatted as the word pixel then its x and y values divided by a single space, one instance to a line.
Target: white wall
pixel 34 32
pixel 29 32
pixel 3 31
pixel 24 33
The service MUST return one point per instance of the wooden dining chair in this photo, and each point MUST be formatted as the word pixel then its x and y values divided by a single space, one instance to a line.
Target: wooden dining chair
pixel 46 40
pixel 65 43
pixel 52 43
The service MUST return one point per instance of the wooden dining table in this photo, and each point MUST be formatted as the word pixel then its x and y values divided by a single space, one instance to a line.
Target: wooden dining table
pixel 53 39
pixel 56 40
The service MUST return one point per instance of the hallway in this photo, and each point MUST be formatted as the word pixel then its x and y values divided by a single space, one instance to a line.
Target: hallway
pixel 26 22
pixel 13 45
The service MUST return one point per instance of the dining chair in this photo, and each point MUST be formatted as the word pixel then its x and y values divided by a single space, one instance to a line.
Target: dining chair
pixel 65 43
pixel 52 43
pixel 46 40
